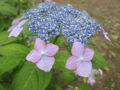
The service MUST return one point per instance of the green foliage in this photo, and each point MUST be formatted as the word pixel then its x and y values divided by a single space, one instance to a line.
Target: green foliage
pixel 3 1
pixel 31 78
pixel 99 60
pixel 53 83
pixel 69 47
pixel 58 87
pixel 113 53
pixel 60 60
pixel 61 57
pixel 7 10
pixel 104 45
pixel 4 86
pixel 26 3
pixel 60 40
pixel 11 56
pixel 4 39
pixel 93 42
pixel 4 23
pixel 67 76
pixel 84 86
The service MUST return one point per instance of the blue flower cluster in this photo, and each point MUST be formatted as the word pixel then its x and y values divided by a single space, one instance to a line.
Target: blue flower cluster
pixel 49 19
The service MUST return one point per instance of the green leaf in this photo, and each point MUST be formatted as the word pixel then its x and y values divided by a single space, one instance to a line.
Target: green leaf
pixel 93 42
pixel 67 76
pixel 58 87
pixel 4 39
pixel 4 23
pixel 99 60
pixel 4 86
pixel 60 60
pixel 61 57
pixel 113 53
pixel 1 87
pixel 53 83
pixel 8 10
pixel 104 46
pixel 3 0
pixel 31 78
pixel 11 56
pixel 84 86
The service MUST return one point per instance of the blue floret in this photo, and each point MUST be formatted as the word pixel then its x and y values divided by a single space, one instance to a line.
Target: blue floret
pixel 49 19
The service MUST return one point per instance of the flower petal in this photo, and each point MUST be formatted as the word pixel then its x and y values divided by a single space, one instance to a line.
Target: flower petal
pixel 33 56
pixel 91 81
pixel 11 28
pixel 16 31
pixel 45 63
pixel 84 69
pixel 106 35
pixel 16 21
pixel 88 54
pixel 100 72
pixel 77 49
pixel 72 63
pixel 39 44
pixel 51 49
pixel 22 22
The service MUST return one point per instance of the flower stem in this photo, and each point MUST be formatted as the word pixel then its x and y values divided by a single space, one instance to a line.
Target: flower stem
pixel 56 39
pixel 19 6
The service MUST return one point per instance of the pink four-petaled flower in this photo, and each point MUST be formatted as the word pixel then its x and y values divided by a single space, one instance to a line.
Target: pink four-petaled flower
pixel 43 54
pixel 91 78
pixel 80 61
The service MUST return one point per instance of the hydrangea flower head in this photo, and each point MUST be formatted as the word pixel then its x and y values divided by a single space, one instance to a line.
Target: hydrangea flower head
pixel 49 19
pixel 80 61
pixel 43 55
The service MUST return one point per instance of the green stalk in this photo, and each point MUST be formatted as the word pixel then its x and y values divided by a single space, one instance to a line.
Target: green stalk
pixel 19 6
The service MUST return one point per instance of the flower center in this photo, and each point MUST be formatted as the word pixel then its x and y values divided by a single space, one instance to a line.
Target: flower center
pixel 81 58
pixel 42 52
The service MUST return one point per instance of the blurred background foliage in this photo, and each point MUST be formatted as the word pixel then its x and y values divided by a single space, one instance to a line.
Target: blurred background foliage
pixel 10 9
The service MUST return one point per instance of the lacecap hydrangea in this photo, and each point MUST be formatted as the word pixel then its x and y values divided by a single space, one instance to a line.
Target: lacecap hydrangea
pixel 49 19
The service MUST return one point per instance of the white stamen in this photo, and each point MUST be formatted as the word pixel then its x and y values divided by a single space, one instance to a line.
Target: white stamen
pixel 81 58
pixel 42 52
